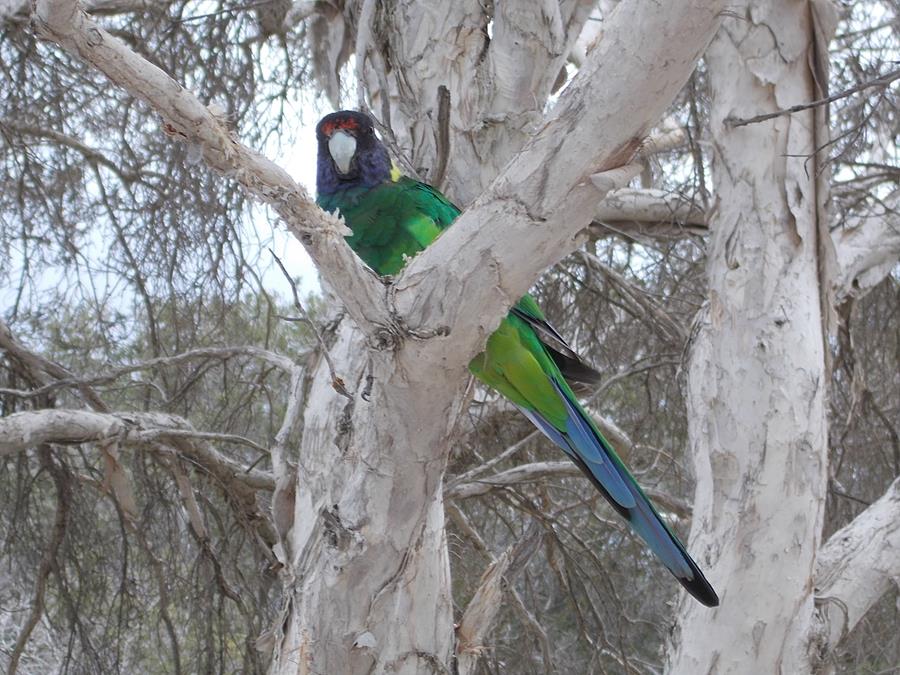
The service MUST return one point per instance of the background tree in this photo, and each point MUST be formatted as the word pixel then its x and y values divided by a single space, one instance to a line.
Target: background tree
pixel 200 474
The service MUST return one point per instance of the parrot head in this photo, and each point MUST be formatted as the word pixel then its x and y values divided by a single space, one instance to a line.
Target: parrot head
pixel 350 154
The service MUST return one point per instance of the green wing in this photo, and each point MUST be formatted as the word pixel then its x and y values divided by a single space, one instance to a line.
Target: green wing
pixel 392 221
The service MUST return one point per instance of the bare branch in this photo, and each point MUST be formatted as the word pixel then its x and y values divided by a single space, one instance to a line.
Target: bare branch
pixel 538 471
pixel 649 213
pixel 867 249
pixel 882 81
pixel 525 473
pixel 154 434
pixel 670 137
pixel 856 566
pixel 547 192
pixel 41 367
pixel 453 483
pixel 24 430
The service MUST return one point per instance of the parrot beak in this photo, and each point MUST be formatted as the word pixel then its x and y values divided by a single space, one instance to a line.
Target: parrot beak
pixel 342 147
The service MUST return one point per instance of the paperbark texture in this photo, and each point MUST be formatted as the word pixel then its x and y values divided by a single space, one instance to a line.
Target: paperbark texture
pixel 368 570
pixel 757 379
pixel 326 478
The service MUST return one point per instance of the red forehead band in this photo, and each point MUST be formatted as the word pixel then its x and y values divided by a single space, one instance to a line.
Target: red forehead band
pixel 341 123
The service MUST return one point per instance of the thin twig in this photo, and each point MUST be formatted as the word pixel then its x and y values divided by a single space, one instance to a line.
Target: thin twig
pixel 882 81
pixel 152 434
pixel 270 357
pixel 336 381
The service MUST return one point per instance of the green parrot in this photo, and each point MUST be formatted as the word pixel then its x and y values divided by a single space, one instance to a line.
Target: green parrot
pixel 393 217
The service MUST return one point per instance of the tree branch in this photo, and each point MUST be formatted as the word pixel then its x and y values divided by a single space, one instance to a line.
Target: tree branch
pixel 38 366
pixel 882 81
pixel 528 218
pixel 856 566
pixel 867 249
pixel 23 430
pixel 536 471
pixel 185 118
pixel 649 213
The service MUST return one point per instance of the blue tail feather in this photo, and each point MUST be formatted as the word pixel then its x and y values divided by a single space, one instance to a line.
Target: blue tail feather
pixel 646 522
pixel 580 446
pixel 593 455
pixel 589 446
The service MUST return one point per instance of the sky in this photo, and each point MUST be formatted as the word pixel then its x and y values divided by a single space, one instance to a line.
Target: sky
pixel 298 157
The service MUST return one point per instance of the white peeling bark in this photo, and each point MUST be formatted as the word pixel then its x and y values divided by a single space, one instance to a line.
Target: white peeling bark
pixel 367 571
pixel 547 194
pixel 498 87
pixel 365 559
pixel 858 564
pixel 652 206
pixel 757 378
pixel 868 248
pixel 367 566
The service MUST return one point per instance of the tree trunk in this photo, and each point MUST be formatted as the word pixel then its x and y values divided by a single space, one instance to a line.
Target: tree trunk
pixel 372 592
pixel 496 86
pixel 366 568
pixel 758 375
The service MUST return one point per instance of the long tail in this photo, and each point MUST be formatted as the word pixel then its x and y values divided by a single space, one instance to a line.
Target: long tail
pixel 586 446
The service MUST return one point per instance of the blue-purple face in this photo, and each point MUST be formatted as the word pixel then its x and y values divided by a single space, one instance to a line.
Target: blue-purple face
pixel 346 133
pixel 349 152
